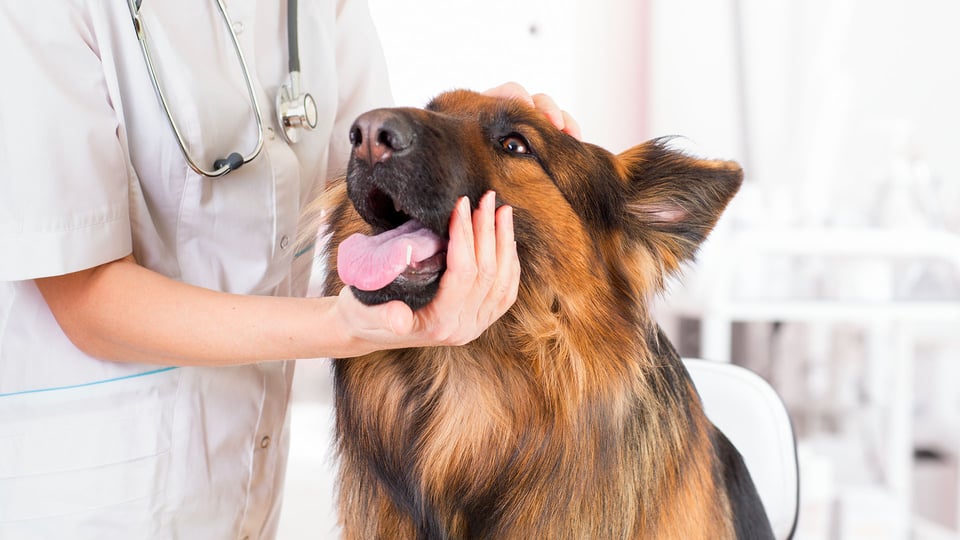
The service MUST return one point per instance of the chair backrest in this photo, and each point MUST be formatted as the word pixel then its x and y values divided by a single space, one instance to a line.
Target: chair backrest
pixel 750 413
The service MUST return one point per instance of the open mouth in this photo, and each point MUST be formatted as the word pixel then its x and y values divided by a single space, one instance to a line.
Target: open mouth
pixel 403 261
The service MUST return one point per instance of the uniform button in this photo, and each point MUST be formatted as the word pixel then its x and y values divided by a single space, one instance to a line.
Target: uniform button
pixel 284 242
pixel 237 27
pixel 265 442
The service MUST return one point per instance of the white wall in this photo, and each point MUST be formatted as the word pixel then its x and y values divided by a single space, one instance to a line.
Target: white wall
pixel 838 94
pixel 586 55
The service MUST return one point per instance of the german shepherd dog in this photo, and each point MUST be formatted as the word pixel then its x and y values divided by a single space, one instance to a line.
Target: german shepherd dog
pixel 572 416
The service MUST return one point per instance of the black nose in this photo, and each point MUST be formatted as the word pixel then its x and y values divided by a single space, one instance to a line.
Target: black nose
pixel 377 135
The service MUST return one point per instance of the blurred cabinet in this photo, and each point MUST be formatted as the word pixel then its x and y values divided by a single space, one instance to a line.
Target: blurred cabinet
pixel 833 276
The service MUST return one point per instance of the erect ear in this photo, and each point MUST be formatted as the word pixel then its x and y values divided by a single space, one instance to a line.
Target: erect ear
pixel 674 200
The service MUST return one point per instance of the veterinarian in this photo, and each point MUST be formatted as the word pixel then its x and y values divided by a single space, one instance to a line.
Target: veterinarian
pixel 150 288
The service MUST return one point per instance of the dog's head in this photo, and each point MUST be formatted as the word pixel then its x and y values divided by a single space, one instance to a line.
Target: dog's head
pixel 580 210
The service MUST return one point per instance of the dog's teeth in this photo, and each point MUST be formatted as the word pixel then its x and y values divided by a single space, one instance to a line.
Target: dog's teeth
pixel 396 206
pixel 409 255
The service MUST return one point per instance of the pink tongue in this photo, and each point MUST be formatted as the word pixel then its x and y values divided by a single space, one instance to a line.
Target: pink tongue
pixel 370 263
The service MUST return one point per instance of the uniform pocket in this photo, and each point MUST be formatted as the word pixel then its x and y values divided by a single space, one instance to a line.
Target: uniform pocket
pixel 84 453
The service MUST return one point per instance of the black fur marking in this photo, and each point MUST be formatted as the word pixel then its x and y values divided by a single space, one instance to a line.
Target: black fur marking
pixel 393 466
pixel 750 520
pixel 589 184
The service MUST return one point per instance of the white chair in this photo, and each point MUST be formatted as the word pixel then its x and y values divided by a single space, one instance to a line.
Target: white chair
pixel 750 413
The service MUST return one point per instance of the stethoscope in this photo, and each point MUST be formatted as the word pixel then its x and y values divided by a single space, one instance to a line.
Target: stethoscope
pixel 296 111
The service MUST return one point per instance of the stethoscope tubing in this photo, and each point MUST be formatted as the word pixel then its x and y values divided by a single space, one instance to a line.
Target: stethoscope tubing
pixel 293 39
pixel 233 161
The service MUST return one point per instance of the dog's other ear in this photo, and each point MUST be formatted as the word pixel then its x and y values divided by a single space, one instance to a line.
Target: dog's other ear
pixel 674 200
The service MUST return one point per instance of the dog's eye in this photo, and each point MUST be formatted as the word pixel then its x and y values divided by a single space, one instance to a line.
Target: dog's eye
pixel 515 144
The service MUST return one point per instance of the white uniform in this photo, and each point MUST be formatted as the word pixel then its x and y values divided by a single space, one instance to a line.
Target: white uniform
pixel 89 172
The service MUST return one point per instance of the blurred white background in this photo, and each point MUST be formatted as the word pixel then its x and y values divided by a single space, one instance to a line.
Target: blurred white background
pixel 835 274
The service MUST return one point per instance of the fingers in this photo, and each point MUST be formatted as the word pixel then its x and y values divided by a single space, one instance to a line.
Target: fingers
pixel 479 286
pixel 511 90
pixel 498 269
pixel 442 320
pixel 482 276
pixel 455 314
pixel 461 249
pixel 484 231
pixel 557 117
pixel 379 323
pixel 571 127
pixel 504 294
pixel 550 109
pixel 479 303
pixel 542 103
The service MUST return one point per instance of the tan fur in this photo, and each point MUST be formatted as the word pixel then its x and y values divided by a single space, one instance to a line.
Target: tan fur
pixel 568 418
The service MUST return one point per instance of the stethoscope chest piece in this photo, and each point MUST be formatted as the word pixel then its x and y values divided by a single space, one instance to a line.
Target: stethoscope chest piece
pixel 295 111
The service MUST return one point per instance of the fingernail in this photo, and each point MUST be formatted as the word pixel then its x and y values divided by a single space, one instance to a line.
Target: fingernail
pixel 490 198
pixel 464 209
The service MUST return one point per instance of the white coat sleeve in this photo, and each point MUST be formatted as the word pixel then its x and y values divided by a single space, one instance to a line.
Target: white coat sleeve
pixel 363 83
pixel 63 174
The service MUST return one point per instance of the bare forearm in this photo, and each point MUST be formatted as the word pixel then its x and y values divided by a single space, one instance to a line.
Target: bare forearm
pixel 123 312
